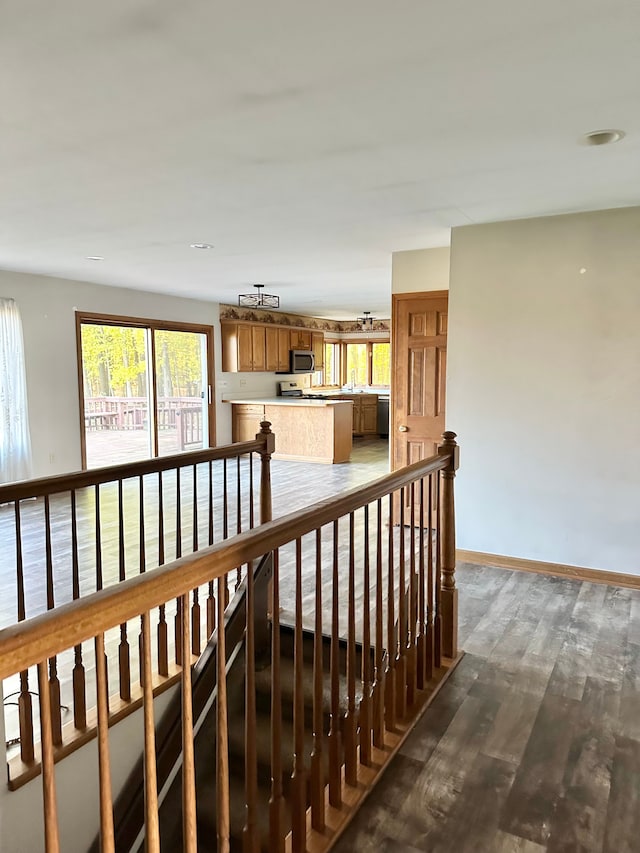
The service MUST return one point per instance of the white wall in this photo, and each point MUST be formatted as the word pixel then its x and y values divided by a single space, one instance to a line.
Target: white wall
pixel 47 307
pixel 544 388
pixel 420 269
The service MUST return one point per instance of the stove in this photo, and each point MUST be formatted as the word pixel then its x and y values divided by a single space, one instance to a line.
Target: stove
pixel 290 389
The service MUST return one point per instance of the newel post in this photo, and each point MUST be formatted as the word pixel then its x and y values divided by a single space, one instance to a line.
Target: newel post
pixel 449 593
pixel 265 474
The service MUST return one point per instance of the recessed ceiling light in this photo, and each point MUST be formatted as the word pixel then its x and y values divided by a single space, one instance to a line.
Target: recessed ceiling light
pixel 95 258
pixel 201 246
pixel 602 137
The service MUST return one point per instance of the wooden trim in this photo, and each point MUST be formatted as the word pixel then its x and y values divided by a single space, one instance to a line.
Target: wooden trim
pixel 577 573
pixel 418 294
pixel 29 642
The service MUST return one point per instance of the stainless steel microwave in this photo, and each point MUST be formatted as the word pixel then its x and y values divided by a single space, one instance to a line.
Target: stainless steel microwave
pixel 301 361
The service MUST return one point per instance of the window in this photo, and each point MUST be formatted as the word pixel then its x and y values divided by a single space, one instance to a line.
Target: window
pixel 332 363
pixel 145 388
pixel 357 372
pixel 380 364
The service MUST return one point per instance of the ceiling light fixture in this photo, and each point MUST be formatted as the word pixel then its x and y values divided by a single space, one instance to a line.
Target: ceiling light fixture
pixel 603 137
pixel 201 246
pixel 259 299
pixel 94 258
pixel 366 322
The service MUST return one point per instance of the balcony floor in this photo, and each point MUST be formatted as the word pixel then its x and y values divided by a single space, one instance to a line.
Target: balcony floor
pixel 534 742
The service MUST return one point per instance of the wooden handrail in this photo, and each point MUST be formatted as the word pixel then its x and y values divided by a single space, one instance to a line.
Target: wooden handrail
pixel 30 642
pixel 96 476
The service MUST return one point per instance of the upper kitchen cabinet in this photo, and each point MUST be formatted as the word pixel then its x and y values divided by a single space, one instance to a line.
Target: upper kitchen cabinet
pixel 317 345
pixel 243 347
pixel 277 348
pixel 300 339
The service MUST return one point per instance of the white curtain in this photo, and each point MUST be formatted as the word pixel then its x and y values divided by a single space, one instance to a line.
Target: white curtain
pixel 15 441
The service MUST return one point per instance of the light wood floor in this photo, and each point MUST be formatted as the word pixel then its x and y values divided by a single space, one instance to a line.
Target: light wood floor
pixel 534 743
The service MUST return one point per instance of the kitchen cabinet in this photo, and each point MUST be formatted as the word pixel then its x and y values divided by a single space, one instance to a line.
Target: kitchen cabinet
pixel 245 421
pixel 243 347
pixel 317 345
pixel 265 347
pixel 277 348
pixel 305 430
pixel 300 339
pixel 365 413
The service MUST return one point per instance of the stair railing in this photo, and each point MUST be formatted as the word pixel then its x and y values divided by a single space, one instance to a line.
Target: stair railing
pixel 372 571
pixel 67 536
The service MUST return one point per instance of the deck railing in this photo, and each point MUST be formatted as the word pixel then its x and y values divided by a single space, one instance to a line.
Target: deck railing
pixel 371 569
pixel 63 538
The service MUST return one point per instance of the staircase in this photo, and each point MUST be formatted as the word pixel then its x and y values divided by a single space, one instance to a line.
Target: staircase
pixel 205 748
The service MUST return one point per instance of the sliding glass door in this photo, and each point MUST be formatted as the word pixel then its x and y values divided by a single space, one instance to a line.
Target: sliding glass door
pixel 145 388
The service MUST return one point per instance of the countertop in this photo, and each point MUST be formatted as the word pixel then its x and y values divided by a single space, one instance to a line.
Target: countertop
pixel 286 401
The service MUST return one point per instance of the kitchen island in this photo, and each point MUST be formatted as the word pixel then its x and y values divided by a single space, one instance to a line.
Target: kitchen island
pixel 305 430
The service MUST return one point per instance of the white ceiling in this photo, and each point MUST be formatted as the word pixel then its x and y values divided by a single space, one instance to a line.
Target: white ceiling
pixel 307 142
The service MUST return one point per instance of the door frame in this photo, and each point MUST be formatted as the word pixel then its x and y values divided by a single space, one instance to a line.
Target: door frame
pixel 99 319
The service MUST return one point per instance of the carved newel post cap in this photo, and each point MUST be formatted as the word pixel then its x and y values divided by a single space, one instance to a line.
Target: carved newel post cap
pixel 265 427
pixel 449 438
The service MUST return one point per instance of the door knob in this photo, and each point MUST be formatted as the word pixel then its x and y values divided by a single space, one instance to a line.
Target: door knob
pixel 403 428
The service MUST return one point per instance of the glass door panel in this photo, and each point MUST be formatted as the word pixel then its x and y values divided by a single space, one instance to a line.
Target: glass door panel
pixel 182 391
pixel 117 427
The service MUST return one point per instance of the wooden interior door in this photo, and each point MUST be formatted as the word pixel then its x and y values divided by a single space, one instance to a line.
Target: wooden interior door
pixel 419 359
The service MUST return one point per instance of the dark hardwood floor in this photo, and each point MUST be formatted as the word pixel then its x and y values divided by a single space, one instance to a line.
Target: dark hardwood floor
pixel 534 742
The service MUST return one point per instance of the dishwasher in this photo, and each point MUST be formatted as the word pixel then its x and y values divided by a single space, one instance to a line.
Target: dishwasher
pixel 383 417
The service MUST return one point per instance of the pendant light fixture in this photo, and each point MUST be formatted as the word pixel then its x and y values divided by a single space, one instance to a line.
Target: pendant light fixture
pixel 366 322
pixel 259 299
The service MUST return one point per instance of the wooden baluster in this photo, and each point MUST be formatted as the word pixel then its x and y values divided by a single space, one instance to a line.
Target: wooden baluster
pixel 238 516
pixel 365 702
pixel 99 579
pixel 211 599
pixel 107 844
pixel 299 775
pixel 195 609
pixel 421 662
pixel 265 471
pixel 437 619
pixel 317 762
pixel 276 801
pixel 78 675
pixel 350 722
pixel 51 835
pixel 251 494
pixel 401 658
pixel 222 730
pixel 25 705
pixel 378 691
pixel 430 645
pixel 390 675
pixel 142 564
pixel 178 616
pixel 163 630
pixel 54 683
pixel 152 827
pixel 250 835
pixel 449 593
pixel 124 657
pixel 225 522
pixel 335 772
pixel 189 831
pixel 411 654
